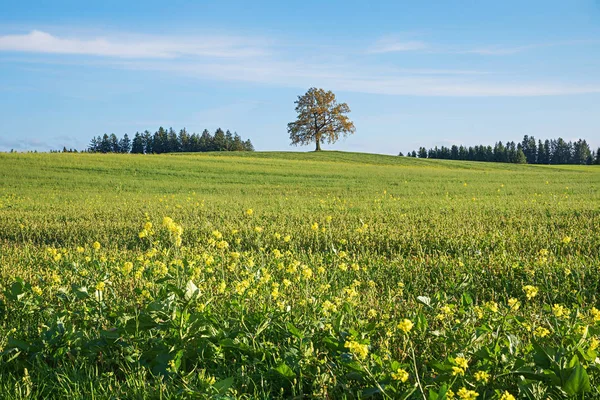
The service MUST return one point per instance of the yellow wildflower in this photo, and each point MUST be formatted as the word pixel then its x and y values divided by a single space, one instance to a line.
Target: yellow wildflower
pixel 558 310
pixel 400 375
pixel 361 351
pixel 507 396
pixel 530 291
pixel 461 362
pixel 405 325
pixel 482 376
pixel 540 331
pixel 466 394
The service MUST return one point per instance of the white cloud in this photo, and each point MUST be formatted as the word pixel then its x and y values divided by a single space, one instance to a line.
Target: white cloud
pixel 392 44
pixel 133 47
pixel 257 61
pixel 509 50
pixel 368 79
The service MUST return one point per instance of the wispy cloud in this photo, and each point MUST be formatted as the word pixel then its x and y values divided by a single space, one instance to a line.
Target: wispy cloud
pixel 394 44
pixel 124 46
pixel 258 61
pixel 367 79
pixel 508 50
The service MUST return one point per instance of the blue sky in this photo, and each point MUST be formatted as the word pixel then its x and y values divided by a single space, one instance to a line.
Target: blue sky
pixel 414 73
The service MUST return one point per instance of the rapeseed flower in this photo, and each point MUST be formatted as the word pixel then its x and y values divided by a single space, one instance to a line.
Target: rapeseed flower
pixel 359 350
pixel 400 375
pixel 466 394
pixel 405 325
pixel 482 376
pixel 559 310
pixel 540 331
pixel 530 291
pixel 507 396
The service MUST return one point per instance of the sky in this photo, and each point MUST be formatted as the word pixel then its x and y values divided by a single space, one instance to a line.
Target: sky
pixel 413 73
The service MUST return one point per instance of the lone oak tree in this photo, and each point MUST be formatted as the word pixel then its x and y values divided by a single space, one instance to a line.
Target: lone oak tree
pixel 320 118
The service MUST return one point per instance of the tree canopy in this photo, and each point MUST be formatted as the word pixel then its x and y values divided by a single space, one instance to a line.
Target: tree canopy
pixel 553 151
pixel 320 118
pixel 168 141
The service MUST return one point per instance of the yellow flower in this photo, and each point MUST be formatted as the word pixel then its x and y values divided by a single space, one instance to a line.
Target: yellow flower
pixel 371 314
pixel 466 394
pixel 482 376
pixel 566 240
pixel 540 331
pixel 400 375
pixel 361 351
pixel 315 226
pixel 559 310
pixel 306 272
pixel 96 246
pixel 127 267
pixel 457 371
pixel 514 304
pixel 492 306
pixel 287 238
pixel 595 314
pixel 461 362
pixel 100 286
pixel 37 290
pixel 80 249
pixel 405 325
pixel 249 212
pixel 530 291
pixel 594 343
pixel 507 396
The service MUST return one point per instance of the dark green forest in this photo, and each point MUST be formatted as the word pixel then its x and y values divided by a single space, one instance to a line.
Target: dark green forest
pixel 529 151
pixel 169 141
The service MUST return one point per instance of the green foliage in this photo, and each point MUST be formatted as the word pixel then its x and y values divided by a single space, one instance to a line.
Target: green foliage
pixel 281 275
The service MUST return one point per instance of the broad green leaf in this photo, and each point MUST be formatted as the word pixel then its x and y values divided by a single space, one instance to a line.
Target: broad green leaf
pixel 578 382
pixel 285 370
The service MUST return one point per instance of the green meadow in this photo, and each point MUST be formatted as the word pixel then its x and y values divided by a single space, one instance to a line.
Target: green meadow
pixel 297 275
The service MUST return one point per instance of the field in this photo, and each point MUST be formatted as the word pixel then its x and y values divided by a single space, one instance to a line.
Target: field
pixel 297 275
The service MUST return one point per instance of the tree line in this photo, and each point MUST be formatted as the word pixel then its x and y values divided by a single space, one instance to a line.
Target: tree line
pixel 550 151
pixel 169 141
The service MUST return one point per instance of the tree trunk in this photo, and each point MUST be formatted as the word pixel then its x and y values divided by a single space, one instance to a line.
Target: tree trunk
pixel 318 145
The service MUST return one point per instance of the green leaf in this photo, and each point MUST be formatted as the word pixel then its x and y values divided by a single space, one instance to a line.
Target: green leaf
pixel 432 395
pixel 578 382
pixel 17 344
pixel 294 331
pixel 467 300
pixel 223 385
pixel 285 370
pixel 81 292
pixel 425 300
pixel 191 291
pixel 370 392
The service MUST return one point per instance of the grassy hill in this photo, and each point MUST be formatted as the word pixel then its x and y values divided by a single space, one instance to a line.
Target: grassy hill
pixel 274 275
